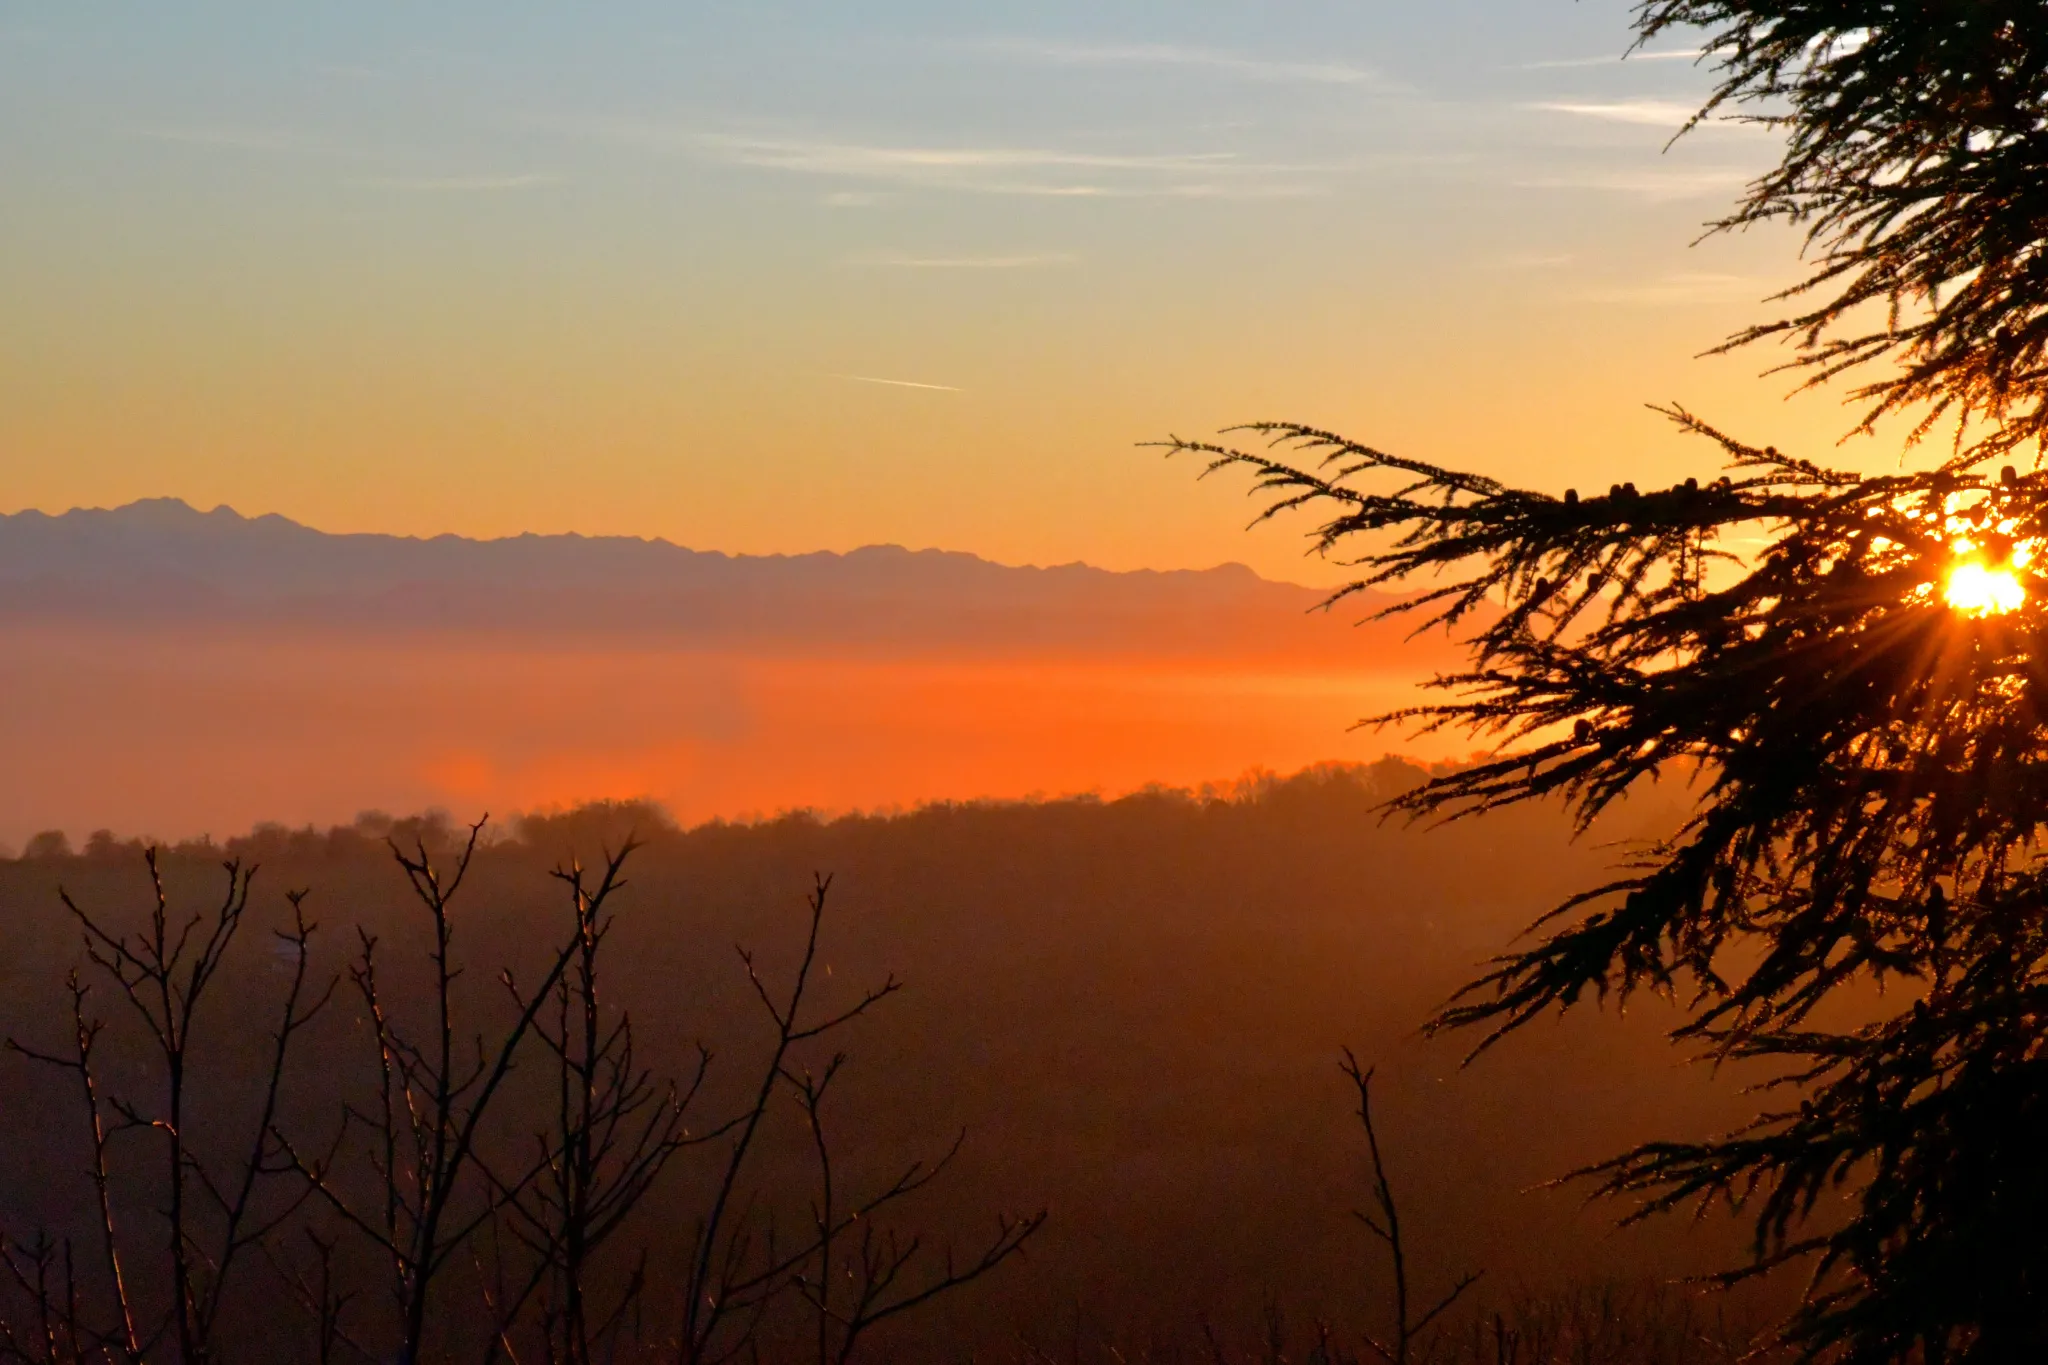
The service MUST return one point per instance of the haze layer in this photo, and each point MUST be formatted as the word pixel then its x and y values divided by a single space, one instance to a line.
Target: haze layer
pixel 175 672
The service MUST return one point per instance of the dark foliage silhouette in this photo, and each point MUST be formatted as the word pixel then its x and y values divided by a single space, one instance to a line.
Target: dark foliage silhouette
pixel 1865 756
pixel 1602 1324
pixel 425 1125
pixel 1384 1223
pixel 1916 151
pixel 1128 1002
pixel 1857 706
pixel 615 1132
pixel 216 1216
pixel 466 1204
pixel 737 1271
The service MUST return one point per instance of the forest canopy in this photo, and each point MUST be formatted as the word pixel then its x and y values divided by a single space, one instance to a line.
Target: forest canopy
pixel 1128 1005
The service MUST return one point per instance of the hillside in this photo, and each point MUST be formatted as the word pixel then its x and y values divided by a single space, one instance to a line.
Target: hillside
pixel 1133 1008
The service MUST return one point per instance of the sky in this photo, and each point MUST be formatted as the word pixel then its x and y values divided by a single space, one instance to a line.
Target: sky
pixel 778 277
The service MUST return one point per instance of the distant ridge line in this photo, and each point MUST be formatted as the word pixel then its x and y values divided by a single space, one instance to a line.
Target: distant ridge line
pixel 174 513
pixel 161 562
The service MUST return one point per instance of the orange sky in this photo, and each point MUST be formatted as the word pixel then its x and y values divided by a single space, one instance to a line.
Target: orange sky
pixel 793 276
pixel 180 732
pixel 534 270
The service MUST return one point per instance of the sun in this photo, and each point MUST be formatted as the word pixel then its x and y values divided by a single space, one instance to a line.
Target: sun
pixel 1976 590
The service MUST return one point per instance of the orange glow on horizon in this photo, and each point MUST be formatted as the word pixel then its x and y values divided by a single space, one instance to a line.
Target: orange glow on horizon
pixel 236 727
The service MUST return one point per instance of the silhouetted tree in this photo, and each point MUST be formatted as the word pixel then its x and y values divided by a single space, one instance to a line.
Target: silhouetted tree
pixel 1384 1222
pixel 459 1169
pixel 742 1265
pixel 1916 158
pixel 1862 707
pixel 1860 703
pixel 616 1128
pixel 437 1089
pixel 215 1210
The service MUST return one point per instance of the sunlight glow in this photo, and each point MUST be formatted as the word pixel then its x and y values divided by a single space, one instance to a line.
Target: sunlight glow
pixel 1980 591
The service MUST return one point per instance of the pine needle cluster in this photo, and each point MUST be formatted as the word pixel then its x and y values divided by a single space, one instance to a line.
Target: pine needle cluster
pixel 1916 158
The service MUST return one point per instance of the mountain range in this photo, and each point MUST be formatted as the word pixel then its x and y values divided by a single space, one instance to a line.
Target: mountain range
pixel 161 561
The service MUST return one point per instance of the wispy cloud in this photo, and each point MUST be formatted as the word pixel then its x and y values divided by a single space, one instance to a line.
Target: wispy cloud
pixel 236 139
pixel 1047 172
pixel 245 139
pixel 1086 171
pixel 897 383
pixel 850 158
pixel 1243 190
pixel 1190 58
pixel 1692 54
pixel 458 184
pixel 1020 261
pixel 1654 185
pixel 1528 260
pixel 1681 288
pixel 1655 113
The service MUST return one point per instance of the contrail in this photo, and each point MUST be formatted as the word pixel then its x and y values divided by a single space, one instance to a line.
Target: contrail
pixel 899 383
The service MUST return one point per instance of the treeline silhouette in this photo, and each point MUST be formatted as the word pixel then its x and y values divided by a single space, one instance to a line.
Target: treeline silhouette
pixel 1123 1014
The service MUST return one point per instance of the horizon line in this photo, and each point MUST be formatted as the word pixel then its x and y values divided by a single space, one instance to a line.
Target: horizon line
pixel 168 501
